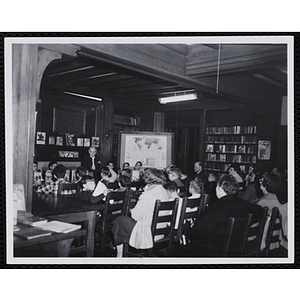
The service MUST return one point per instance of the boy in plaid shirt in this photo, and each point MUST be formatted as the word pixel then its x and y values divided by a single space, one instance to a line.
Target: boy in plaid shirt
pixel 58 173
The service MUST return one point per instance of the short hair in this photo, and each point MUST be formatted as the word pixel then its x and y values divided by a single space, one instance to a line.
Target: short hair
pixel 171 186
pixel 175 170
pixel 228 184
pixel 154 176
pixel 197 186
pixel 124 180
pixel 110 162
pixel 199 163
pixel 105 171
pixel 271 182
pixel 59 171
pixel 85 179
pixel 51 163
pixel 139 162
pixel 126 163
pixel 234 166
pixel 81 171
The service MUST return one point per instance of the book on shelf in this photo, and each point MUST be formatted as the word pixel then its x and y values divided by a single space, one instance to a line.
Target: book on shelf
pixel 59 227
pixel 209 148
pixel 29 219
pixel 31 233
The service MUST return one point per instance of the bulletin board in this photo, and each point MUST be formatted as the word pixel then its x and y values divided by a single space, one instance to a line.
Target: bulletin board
pixel 153 149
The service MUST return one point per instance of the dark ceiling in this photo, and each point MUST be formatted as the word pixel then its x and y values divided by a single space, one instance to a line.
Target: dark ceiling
pixel 228 72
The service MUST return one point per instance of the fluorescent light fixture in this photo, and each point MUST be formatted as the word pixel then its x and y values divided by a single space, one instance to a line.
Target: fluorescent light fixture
pixel 84 96
pixel 178 98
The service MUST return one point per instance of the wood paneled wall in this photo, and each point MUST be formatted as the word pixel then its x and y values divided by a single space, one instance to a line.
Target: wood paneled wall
pixel 24 96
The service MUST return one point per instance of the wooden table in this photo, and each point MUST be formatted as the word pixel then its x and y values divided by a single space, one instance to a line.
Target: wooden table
pixel 54 245
pixel 68 209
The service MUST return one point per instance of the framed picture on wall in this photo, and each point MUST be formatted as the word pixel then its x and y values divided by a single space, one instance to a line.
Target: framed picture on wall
pixel 59 141
pixel 95 141
pixel 87 142
pixel 79 142
pixel 41 138
pixel 51 140
pixel 70 139
pixel 264 149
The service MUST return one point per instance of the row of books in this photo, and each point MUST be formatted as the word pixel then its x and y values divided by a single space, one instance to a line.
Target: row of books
pixel 40 227
pixel 231 158
pixel 231 139
pixel 219 167
pixel 248 129
pixel 119 119
pixel 245 149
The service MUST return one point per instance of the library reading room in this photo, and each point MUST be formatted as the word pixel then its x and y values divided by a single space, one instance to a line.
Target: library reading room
pixel 165 150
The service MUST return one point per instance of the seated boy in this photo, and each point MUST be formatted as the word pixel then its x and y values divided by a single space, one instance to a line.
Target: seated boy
pixel 87 193
pixel 58 174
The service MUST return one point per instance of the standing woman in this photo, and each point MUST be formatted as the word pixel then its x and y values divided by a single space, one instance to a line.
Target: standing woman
pixel 137 230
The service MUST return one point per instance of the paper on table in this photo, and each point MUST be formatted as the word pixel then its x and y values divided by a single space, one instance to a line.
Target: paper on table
pixel 59 227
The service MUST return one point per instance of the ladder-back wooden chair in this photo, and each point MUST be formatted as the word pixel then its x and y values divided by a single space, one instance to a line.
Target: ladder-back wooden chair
pixel 162 226
pixel 254 237
pixel 236 236
pixel 116 204
pixel 274 234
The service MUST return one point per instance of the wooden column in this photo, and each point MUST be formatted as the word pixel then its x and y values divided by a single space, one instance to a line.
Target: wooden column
pixel 24 95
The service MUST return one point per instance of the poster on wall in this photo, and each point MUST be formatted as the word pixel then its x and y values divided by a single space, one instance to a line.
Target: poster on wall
pixel 59 141
pixel 152 149
pixel 86 142
pixel 264 149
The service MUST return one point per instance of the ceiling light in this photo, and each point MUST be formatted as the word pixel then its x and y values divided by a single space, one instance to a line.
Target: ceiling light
pixel 84 96
pixel 178 98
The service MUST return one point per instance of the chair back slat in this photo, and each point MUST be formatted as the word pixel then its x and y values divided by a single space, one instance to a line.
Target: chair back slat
pixel 133 197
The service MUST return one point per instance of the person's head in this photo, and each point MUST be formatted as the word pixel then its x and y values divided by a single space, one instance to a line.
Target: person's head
pixel 35 166
pixel 126 165
pixel 105 172
pixel 154 176
pixel 80 172
pixel 212 176
pixel 138 165
pixel 270 183
pixel 52 164
pixel 87 183
pixel 250 169
pixel 172 189
pixel 226 186
pixel 278 171
pixel 174 174
pixel 124 181
pixel 169 167
pixel 253 175
pixel 198 166
pixel 110 165
pixel 59 171
pixel 233 168
pixel 196 187
pixel 92 151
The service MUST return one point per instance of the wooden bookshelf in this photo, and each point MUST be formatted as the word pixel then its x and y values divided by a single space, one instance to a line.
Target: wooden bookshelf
pixel 225 145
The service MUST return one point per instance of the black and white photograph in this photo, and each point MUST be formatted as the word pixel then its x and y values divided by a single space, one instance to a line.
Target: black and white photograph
pixel 205 95
pixel 41 138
